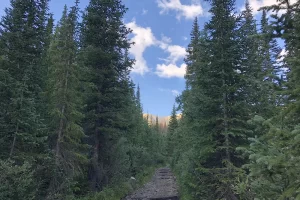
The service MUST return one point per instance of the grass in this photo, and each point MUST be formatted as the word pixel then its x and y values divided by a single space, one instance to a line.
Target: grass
pixel 119 191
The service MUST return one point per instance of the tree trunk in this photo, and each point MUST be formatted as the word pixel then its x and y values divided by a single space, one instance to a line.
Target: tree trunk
pixel 17 125
pixel 95 171
pixel 61 121
pixel 14 140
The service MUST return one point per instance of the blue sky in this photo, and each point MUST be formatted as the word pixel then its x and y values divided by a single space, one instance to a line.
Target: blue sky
pixel 161 32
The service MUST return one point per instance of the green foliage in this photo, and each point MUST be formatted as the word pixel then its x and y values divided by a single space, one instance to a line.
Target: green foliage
pixel 17 181
pixel 66 91
pixel 64 104
pixel 229 80
pixel 120 190
pixel 22 38
pixel 104 46
pixel 173 124
pixel 274 158
pixel 274 152
pixel 58 87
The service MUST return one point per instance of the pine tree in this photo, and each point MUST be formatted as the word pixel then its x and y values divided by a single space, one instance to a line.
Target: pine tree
pixel 274 153
pixel 221 105
pixel 22 41
pixel 104 43
pixel 138 100
pixel 65 104
pixel 188 138
pixel 214 108
pixel 192 54
pixel 269 55
pixel 173 124
pixel 156 128
pixel 22 135
pixel 250 68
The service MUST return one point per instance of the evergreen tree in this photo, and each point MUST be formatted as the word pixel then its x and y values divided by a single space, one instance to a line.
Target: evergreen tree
pixel 104 43
pixel 250 71
pixel 269 55
pixel 156 128
pixel 22 41
pixel 214 108
pixel 222 118
pixel 192 54
pixel 138 100
pixel 173 124
pixel 65 104
pixel 22 135
pixel 273 153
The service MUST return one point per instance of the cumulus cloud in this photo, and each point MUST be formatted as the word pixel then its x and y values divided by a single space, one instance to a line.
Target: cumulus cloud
pixel 176 53
pixel 143 38
pixel 171 70
pixel 186 11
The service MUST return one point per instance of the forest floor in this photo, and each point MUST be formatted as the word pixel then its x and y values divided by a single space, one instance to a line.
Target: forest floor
pixel 162 186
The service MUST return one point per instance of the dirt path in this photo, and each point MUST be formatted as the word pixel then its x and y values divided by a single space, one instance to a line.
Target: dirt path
pixel 162 187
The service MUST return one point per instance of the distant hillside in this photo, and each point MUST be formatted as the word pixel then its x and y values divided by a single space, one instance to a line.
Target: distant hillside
pixel 163 121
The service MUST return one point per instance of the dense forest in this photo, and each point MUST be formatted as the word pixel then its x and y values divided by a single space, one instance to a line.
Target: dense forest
pixel 72 123
pixel 71 120
pixel 238 137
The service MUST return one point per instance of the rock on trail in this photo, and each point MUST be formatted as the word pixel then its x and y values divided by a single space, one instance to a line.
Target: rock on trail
pixel 162 187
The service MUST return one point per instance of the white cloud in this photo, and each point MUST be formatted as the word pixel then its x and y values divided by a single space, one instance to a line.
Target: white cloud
pixel 176 53
pixel 165 42
pixel 257 4
pixel 165 39
pixel 143 38
pixel 282 55
pixel 186 11
pixel 144 12
pixel 171 70
pixel 175 92
pixel 185 38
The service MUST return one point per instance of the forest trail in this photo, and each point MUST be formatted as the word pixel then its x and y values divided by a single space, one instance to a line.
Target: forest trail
pixel 162 186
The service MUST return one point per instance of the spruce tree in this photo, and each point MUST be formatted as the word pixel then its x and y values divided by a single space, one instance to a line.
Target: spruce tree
pixel 23 136
pixel 65 103
pixel 22 40
pixel 269 55
pixel 222 115
pixel 214 108
pixel 173 124
pixel 273 153
pixel 156 128
pixel 103 44
pixel 250 71
pixel 192 53
pixel 138 100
